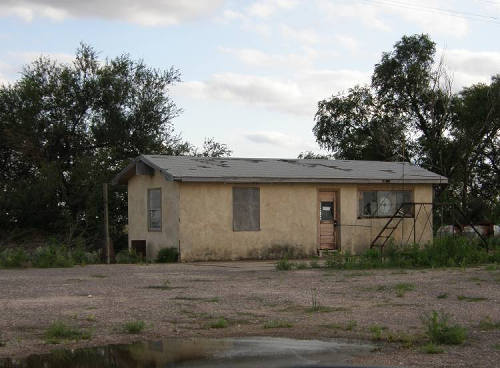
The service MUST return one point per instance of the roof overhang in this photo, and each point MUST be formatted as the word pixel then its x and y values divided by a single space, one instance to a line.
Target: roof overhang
pixel 139 166
pixel 310 180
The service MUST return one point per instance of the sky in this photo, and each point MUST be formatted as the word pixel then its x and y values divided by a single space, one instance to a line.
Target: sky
pixel 253 71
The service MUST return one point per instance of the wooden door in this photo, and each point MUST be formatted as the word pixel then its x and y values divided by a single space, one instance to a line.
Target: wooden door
pixel 327 218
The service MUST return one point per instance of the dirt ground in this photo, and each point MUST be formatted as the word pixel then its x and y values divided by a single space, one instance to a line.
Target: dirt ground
pixel 183 300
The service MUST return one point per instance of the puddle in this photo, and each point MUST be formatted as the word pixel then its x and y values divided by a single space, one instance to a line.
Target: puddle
pixel 220 353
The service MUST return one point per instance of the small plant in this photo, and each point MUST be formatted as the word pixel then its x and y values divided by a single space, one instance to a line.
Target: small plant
pixel 284 265
pixel 315 305
pixel 277 324
pixel 164 286
pixel 91 318
pixel 350 325
pixel 439 330
pixel 168 255
pixel 13 258
pixel 432 348
pixel 59 331
pixel 471 298
pixel 98 276
pixel 442 296
pixel 219 323
pixel 376 332
pixel 402 288
pixel 488 324
pixel 128 256
pixel 301 266
pixel 134 327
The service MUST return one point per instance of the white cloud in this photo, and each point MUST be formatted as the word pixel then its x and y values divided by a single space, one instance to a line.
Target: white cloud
pixel 469 67
pixel 303 35
pixel 298 95
pixel 259 58
pixel 348 42
pixel 264 9
pixel 430 15
pixel 145 12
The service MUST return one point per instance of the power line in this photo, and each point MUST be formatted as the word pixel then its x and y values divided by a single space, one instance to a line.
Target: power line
pixel 435 10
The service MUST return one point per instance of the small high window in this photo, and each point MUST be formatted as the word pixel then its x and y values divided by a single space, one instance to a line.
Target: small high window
pixel 385 203
pixel 246 209
pixel 154 209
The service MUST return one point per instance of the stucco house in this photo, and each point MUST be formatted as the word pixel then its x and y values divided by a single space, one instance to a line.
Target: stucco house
pixel 245 208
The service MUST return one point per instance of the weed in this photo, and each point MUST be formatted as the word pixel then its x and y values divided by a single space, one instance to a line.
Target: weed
pixel 442 296
pixel 128 256
pixel 220 323
pixel 164 286
pixel 59 331
pixel 91 318
pixel 167 255
pixel 134 327
pixel 314 264
pixel 439 331
pixel 195 298
pixel 277 324
pixel 402 288
pixel 301 266
pixel 492 267
pixel 284 265
pixel 431 348
pixel 488 324
pixel 471 298
pixel 496 346
pixel 376 332
pixel 98 276
pixel 349 326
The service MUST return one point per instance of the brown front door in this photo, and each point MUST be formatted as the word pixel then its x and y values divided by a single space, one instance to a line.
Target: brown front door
pixel 327 220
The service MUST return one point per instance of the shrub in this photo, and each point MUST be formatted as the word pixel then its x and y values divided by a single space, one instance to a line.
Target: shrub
pixel 52 256
pixel 439 331
pixel 82 257
pixel 431 348
pixel 277 324
pixel 59 331
pixel 13 258
pixel 128 256
pixel 167 255
pixel 284 265
pixel 134 327
pixel 220 323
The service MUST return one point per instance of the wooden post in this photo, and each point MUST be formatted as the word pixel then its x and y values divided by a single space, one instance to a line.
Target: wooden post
pixel 106 223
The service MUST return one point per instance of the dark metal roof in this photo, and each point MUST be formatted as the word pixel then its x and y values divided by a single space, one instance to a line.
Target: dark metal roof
pixel 271 170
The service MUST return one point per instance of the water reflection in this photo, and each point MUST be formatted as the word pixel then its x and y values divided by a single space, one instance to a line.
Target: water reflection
pixel 238 352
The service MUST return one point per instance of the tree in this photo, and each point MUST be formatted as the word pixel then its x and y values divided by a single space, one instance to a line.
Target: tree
pixel 410 104
pixel 310 155
pixel 212 148
pixel 68 128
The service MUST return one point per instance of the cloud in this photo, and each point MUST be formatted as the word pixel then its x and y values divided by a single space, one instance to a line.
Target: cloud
pixel 303 35
pixel 430 15
pixel 270 137
pixel 469 67
pixel 264 9
pixel 259 58
pixel 348 42
pixel 297 95
pixel 145 12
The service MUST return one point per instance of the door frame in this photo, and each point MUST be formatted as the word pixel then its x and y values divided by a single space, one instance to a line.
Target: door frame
pixel 336 192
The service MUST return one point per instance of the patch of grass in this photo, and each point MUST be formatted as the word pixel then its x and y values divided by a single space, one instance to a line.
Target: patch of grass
pixel 59 332
pixel 320 309
pixel 283 265
pixel 277 324
pixel 471 298
pixel 98 276
pixel 439 330
pixel 195 298
pixel 314 264
pixel 442 296
pixel 431 348
pixel 128 256
pixel 164 286
pixel 349 326
pixel 91 318
pixel 488 324
pixel 167 255
pixel 496 346
pixel 376 331
pixel 134 327
pixel 402 288
pixel 492 267
pixel 219 323
pixel 301 266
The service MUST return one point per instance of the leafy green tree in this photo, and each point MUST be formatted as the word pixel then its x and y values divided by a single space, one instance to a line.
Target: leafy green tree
pixel 68 128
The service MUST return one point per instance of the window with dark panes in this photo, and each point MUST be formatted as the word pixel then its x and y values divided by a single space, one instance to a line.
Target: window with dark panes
pixel 154 209
pixel 246 209
pixel 326 211
pixel 386 203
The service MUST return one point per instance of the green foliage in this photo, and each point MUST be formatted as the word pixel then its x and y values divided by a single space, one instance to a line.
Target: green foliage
pixel 432 348
pixel 439 330
pixel 488 324
pixel 59 331
pixel 134 327
pixel 220 323
pixel 277 324
pixel 126 256
pixel 284 265
pixel 471 298
pixel 442 296
pixel 442 252
pixel 167 255
pixel 13 257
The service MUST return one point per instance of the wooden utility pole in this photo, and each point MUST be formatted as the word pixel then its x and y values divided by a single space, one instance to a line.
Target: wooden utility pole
pixel 106 223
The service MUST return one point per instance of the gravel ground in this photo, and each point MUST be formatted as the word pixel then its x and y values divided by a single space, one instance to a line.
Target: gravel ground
pixel 183 300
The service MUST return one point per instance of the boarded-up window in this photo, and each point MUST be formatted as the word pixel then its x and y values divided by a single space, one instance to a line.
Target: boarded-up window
pixel 246 209
pixel 154 209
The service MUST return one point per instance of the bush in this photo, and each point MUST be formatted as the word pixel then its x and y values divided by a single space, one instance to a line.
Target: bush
pixel 59 331
pixel 134 327
pixel 284 265
pixel 439 331
pixel 220 323
pixel 126 256
pixel 14 257
pixel 52 256
pixel 82 257
pixel 167 255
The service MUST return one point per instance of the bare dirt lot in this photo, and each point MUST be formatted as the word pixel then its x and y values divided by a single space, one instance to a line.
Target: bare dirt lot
pixel 185 300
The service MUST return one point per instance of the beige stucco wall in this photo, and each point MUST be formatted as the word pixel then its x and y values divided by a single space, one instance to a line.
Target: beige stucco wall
pixel 288 217
pixel 137 213
pixel 197 217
